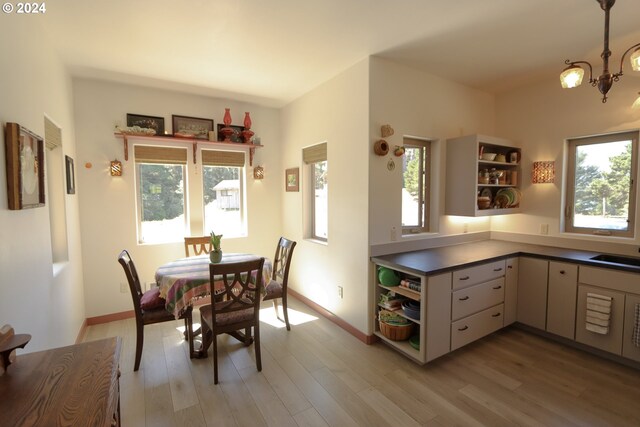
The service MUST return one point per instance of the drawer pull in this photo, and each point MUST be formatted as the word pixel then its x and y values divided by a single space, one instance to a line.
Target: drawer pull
pixel 510 267
pixel 495 315
pixel 464 278
pixel 464 298
pixel 497 269
pixel 562 272
pixel 497 287
pixel 463 329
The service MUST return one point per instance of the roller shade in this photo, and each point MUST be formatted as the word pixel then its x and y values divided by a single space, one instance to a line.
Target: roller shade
pixel 315 154
pixel 222 158
pixel 52 135
pixel 170 155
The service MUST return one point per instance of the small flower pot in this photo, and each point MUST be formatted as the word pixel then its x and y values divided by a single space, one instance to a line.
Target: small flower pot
pixel 215 257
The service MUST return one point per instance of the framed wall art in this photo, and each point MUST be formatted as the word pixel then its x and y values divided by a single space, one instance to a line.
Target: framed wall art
pixel 71 175
pixel 236 136
pixel 25 167
pixel 149 122
pixel 191 127
pixel 292 179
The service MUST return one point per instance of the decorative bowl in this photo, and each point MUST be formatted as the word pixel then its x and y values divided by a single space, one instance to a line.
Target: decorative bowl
pixel 388 277
pixel 489 156
pixel 411 309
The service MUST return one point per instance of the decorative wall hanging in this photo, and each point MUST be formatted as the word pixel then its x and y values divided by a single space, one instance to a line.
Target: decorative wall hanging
pixel 398 151
pixel 71 175
pixel 292 179
pixel 386 131
pixel 258 172
pixel 25 167
pixel 381 147
pixel 116 168
pixel 543 172
pixel 191 127
pixel 148 122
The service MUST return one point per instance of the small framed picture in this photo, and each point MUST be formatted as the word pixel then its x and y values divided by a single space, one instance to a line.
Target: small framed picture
pixel 292 179
pixel 514 157
pixel 148 122
pixel 191 127
pixel 236 136
pixel 71 175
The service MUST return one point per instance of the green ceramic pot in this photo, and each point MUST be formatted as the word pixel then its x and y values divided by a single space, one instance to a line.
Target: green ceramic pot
pixel 215 257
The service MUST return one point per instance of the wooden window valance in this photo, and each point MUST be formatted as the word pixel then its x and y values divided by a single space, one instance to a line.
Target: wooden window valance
pixel 150 154
pixel 314 154
pixel 222 158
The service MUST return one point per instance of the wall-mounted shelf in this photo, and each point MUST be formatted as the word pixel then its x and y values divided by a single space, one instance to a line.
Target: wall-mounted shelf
pixel 125 138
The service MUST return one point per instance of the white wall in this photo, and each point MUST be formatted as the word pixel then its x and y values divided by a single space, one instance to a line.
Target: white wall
pixel 336 112
pixel 541 117
pixel 36 297
pixel 419 104
pixel 107 204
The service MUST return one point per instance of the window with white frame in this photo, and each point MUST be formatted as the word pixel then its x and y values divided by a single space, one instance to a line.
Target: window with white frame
pixel 316 158
pixel 223 185
pixel 415 185
pixel 601 187
pixel 160 173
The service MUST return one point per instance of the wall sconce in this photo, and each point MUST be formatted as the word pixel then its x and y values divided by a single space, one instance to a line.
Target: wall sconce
pixel 258 172
pixel 116 168
pixel 543 172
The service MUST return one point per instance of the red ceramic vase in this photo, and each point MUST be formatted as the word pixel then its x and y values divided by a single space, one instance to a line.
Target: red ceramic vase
pixel 247 121
pixel 227 117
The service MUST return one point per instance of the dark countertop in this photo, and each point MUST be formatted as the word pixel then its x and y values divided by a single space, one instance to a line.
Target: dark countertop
pixel 440 260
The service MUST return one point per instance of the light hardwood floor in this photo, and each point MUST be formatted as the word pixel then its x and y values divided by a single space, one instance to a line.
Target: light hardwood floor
pixel 319 375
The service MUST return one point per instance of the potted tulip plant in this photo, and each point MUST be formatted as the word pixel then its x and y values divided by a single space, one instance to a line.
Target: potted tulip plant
pixel 216 254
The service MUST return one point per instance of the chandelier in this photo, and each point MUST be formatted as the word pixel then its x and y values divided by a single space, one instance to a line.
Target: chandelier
pixel 572 75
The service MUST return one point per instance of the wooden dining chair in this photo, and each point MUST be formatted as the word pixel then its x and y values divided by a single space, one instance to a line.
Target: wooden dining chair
pixel 197 245
pixel 277 286
pixel 239 309
pixel 149 308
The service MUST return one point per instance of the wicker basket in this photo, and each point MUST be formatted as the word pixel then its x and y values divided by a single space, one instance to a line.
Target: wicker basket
pixel 395 332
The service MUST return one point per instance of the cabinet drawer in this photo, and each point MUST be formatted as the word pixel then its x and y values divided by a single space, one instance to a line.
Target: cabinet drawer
pixel 476 326
pixel 612 341
pixel 629 349
pixel 476 298
pixel 478 274
pixel 609 279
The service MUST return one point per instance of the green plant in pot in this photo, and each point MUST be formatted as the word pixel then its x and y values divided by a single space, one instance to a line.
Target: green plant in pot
pixel 216 254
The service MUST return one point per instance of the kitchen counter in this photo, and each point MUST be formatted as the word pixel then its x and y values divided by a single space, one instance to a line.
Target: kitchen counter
pixel 440 260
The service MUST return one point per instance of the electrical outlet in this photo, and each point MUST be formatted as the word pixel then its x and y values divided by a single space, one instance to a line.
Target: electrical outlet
pixel 340 292
pixel 393 235
pixel 123 287
pixel 544 229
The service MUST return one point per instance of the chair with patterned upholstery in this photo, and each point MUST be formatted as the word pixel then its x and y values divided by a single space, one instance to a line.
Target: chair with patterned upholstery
pixel 239 309
pixel 149 307
pixel 277 287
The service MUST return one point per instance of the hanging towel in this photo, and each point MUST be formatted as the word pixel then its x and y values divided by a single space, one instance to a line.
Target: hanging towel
pixel 636 327
pixel 598 313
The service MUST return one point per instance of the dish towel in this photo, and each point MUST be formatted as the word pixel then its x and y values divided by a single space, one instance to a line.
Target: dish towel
pixel 636 327
pixel 598 313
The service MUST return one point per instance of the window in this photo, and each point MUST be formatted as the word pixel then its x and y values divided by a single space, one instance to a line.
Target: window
pixel 415 186
pixel 223 183
pixel 601 189
pixel 161 193
pixel 316 159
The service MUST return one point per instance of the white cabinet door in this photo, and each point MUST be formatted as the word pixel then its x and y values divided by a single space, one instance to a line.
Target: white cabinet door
pixel 612 340
pixel 561 301
pixel 629 349
pixel 532 292
pixel 511 291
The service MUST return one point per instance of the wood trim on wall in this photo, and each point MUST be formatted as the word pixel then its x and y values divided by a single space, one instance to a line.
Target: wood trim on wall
pixel 367 339
pixel 82 332
pixel 109 318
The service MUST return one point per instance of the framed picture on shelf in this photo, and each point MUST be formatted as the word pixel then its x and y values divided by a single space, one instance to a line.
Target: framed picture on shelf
pixel 292 179
pixel 236 136
pixel 148 122
pixel 71 175
pixel 191 127
pixel 25 167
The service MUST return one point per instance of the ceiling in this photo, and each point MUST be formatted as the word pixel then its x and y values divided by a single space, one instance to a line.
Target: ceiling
pixel 272 51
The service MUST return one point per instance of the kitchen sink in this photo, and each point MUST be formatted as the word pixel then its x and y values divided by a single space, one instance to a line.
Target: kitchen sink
pixel 617 259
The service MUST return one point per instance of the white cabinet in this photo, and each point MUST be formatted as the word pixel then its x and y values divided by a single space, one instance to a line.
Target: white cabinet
pixel 466 181
pixel 561 300
pixel 532 292
pixel 511 291
pixel 629 349
pixel 612 340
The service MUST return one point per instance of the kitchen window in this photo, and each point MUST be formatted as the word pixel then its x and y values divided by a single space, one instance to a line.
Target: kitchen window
pixel 223 185
pixel 415 185
pixel 315 157
pixel 601 184
pixel 161 193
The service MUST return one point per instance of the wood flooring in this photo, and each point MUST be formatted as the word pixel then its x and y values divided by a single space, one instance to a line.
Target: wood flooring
pixel 319 375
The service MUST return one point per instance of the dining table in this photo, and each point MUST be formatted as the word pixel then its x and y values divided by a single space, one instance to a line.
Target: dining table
pixel 184 281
